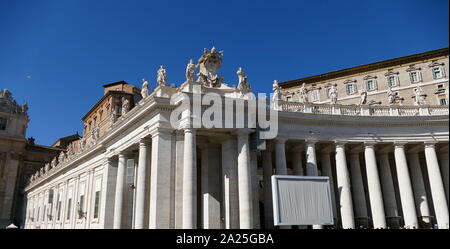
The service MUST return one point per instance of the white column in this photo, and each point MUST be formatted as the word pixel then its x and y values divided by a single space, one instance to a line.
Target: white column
pixel 373 182
pixel 327 171
pixel 140 185
pixel 244 177
pixel 267 174
pixel 120 184
pixel 161 161
pixel 311 165
pixel 255 189
pixel 359 196
pixel 280 153
pixel 420 194
pixel 443 162
pixel 311 161
pixel 343 183
pixel 189 180
pixel 387 184
pixel 230 184
pixel 437 186
pixel 405 187
pixel 210 177
pixel 108 193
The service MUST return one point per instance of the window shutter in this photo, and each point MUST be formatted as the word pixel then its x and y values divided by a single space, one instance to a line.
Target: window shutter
pixel 442 71
pixel 397 80
pixel 419 76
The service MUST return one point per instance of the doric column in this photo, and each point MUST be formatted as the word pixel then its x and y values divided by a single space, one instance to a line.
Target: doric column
pixel 343 183
pixel 420 194
pixel 161 161
pixel 359 196
pixel 404 182
pixel 108 191
pixel 443 162
pixel 280 153
pixel 373 182
pixel 189 180
pixel 120 184
pixel 244 177
pixel 311 161
pixel 387 184
pixel 267 174
pixel 437 186
pixel 210 177
pixel 140 184
pixel 297 161
pixel 327 171
pixel 230 184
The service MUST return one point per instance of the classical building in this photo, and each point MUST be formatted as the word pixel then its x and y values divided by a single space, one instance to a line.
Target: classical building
pixel 157 162
pixel 425 71
pixel 19 158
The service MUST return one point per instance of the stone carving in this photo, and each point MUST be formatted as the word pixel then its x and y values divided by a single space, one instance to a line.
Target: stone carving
pixel 190 71
pixel 162 76
pixel 54 162
pixel 419 96
pixel 61 157
pixel 70 152
pixel 303 94
pixel 144 90
pixel 47 167
pixel 333 94
pixel 9 105
pixel 393 97
pixel 363 99
pixel 243 85
pixel 82 144
pixel 95 133
pixel 25 108
pixel 209 64
pixel 41 171
pixel 125 105
pixel 113 117
pixel 277 95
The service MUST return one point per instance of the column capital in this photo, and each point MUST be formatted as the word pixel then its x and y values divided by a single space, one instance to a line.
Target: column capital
pixel 310 142
pixel 369 144
pixel 189 130
pixel 340 143
pixel 144 142
pixel 280 140
pixel 160 131
pixel 122 155
pixel 430 144
pixel 400 144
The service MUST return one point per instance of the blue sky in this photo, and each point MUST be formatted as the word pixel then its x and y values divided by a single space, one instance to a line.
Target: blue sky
pixel 56 54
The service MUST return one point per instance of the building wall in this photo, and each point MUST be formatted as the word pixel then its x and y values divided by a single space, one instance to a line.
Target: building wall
pixel 405 86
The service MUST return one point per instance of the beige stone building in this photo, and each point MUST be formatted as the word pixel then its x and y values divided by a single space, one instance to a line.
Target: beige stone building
pixel 428 71
pixel 19 158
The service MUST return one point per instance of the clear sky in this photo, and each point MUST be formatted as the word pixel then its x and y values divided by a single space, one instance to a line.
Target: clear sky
pixel 57 54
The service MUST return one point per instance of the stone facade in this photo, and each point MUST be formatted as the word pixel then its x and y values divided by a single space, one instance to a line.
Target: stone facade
pixel 148 171
pixel 427 70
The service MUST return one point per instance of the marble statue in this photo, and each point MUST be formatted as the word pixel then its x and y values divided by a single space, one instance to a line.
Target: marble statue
pixel 209 64
pixel 41 171
pixel 162 76
pixel 363 99
pixel 47 167
pixel 243 85
pixel 276 91
pixel 53 162
pixel 333 94
pixel 391 96
pixel 61 157
pixel 419 96
pixel 125 105
pixel 144 90
pixel 190 71
pixel 303 94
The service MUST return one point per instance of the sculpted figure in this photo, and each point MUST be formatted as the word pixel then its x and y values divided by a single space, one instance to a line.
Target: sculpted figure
pixel 162 76
pixel 61 157
pixel 209 64
pixel 303 94
pixel 144 90
pixel 46 167
pixel 363 99
pixel 53 162
pixel 333 94
pixel 276 91
pixel 125 105
pixel 190 71
pixel 243 85
pixel 391 96
pixel 25 107
pixel 419 96
pixel 41 171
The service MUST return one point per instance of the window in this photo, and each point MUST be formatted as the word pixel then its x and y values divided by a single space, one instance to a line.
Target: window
pixel 39 210
pixel 96 204
pixel 350 88
pixel 415 77
pixel 2 124
pixel 443 101
pixel 69 208
pixel 371 85
pixel 50 202
pixel 130 171
pixel 315 95
pixel 58 208
pixel 437 72
pixel 81 207
pixel 392 81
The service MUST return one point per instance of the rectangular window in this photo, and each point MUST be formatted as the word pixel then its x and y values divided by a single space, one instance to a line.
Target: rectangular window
pixel 443 101
pixel 39 210
pixel 130 171
pixel 315 95
pixel 392 81
pixel 81 207
pixel 371 85
pixel 58 208
pixel 351 88
pixel 414 77
pixel 69 208
pixel 96 204
pixel 437 73
pixel 2 124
